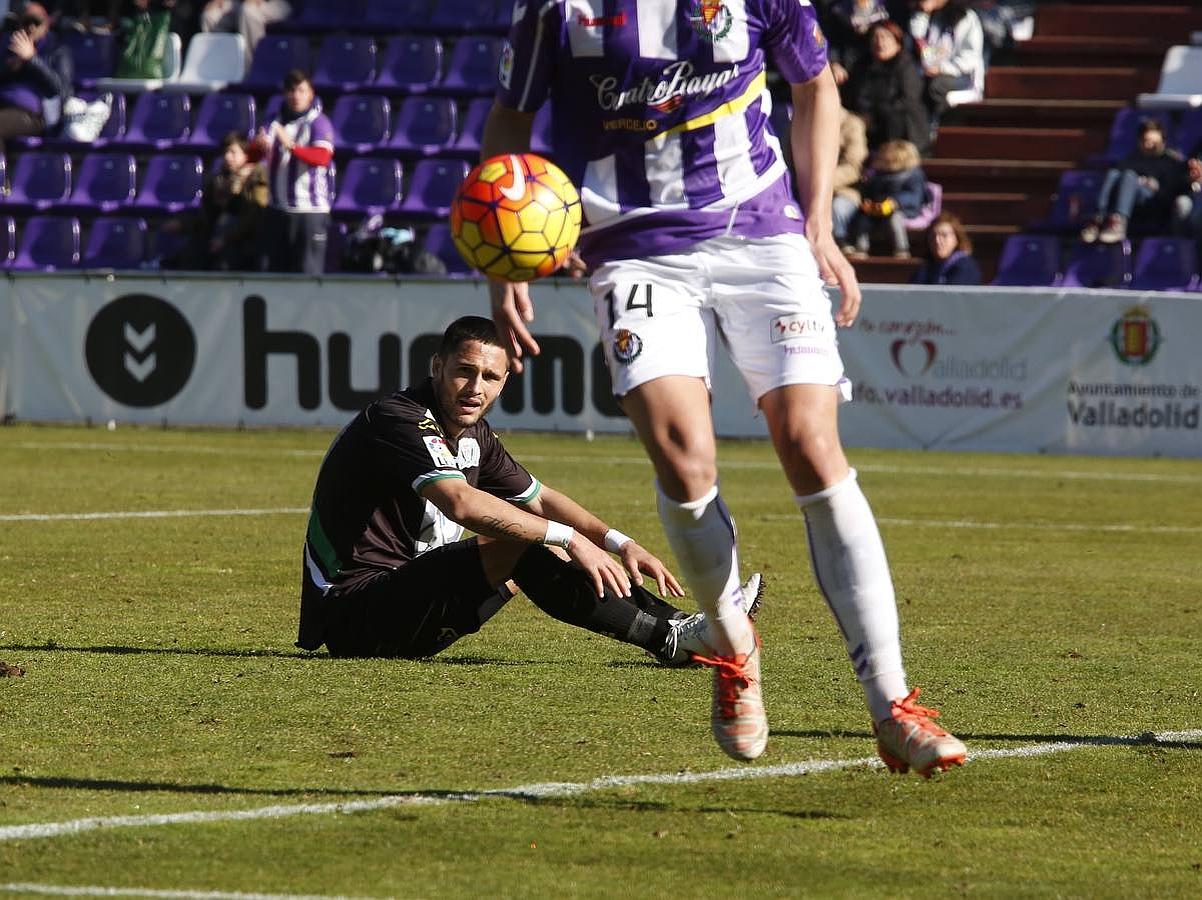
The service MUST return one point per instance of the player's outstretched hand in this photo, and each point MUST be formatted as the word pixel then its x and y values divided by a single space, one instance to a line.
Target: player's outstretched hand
pixel 511 310
pixel 603 569
pixel 836 270
pixel 639 562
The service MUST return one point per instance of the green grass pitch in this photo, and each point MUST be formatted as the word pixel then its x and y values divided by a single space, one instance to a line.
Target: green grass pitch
pixel 1051 607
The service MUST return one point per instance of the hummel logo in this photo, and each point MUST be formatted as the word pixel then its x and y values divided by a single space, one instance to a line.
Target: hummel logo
pixel 517 190
pixel 140 363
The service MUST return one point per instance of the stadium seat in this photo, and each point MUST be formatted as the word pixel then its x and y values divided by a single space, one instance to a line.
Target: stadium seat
pixel 470 16
pixel 1029 260
pixel 1124 132
pixel 48 243
pixel 369 186
pixel 274 56
pixel 94 55
pixel 396 15
pixel 172 62
pixel 412 63
pixel 8 241
pixel 335 246
pixel 472 128
pixel 438 241
pixel 1074 202
pixel 38 181
pixel 159 120
pixel 432 186
pixel 105 182
pixel 116 242
pixel 213 61
pixel 1187 136
pixel 218 115
pixel 1098 265
pixel 344 63
pixel 323 16
pixel 172 184
pixel 362 122
pixel 931 207
pixel 1165 264
pixel 472 68
pixel 113 127
pixel 540 131
pixel 1180 84
pixel 425 126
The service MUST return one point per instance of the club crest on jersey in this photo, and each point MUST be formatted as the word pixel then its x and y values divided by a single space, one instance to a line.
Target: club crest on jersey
pixel 627 345
pixel 505 65
pixel 439 452
pixel 469 454
pixel 711 19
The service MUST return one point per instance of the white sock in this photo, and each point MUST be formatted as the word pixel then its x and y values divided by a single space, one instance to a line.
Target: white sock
pixel 701 534
pixel 853 574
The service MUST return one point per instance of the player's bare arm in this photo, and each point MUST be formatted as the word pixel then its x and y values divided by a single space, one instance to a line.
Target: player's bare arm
pixel 815 142
pixel 558 507
pixel 508 131
pixel 487 515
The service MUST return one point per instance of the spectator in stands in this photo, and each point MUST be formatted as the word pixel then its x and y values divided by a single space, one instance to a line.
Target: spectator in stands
pixel 846 23
pixel 248 18
pixel 299 149
pixel 143 34
pixel 34 81
pixel 893 190
pixel 1146 184
pixel 948 258
pixel 1187 213
pixel 886 89
pixel 853 151
pixel 232 210
pixel 951 48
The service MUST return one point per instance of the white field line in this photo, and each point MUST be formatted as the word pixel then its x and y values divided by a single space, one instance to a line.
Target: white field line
pixel 55 890
pixel 149 514
pixel 548 790
pixel 764 465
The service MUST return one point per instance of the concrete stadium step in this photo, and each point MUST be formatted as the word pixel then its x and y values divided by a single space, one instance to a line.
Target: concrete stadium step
pixel 980 142
pixel 885 269
pixel 1089 51
pixel 1168 21
pixel 1038 177
pixel 1069 83
pixel 1001 208
pixel 1011 113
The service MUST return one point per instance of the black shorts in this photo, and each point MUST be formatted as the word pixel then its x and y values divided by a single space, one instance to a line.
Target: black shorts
pixel 415 610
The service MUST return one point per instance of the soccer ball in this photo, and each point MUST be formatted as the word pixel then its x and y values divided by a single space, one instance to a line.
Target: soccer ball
pixel 515 217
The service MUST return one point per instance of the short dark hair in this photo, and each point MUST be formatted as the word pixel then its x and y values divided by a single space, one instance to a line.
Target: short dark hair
pixel 232 138
pixel 468 328
pixel 295 77
pixel 1146 125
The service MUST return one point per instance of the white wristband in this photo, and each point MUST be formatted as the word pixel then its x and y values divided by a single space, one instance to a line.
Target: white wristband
pixel 558 534
pixel 614 540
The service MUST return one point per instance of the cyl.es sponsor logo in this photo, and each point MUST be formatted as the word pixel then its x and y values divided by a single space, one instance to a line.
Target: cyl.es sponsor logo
pixel 140 350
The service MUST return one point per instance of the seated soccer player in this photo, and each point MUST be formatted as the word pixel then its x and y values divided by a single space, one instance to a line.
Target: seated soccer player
pixel 386 569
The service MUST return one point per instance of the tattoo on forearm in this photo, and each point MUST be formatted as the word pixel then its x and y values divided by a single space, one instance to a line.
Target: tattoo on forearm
pixel 501 527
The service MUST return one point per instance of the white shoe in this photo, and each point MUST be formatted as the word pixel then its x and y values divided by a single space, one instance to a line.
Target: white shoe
pixel 686 636
pixel 737 716
pixel 910 739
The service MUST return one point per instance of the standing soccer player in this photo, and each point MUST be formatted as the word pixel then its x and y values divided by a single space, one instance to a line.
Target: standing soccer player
pixel 694 235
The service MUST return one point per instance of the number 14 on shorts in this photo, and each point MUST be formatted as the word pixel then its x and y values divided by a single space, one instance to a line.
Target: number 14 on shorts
pixel 638 297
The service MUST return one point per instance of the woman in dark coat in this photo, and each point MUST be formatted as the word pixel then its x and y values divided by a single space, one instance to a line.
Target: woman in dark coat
pixel 949 254
pixel 886 88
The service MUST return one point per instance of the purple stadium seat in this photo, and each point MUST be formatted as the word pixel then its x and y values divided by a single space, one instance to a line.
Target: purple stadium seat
pixel 471 130
pixel 396 15
pixel 438 241
pixel 931 207
pixel 369 186
pixel 1165 264
pixel 114 127
pixel 540 131
pixel 8 241
pixel 344 63
pixel 159 121
pixel 322 16
pixel 432 186
pixel 94 55
pixel 472 68
pixel 335 245
pixel 1098 266
pixel 1124 133
pixel 105 182
pixel 116 242
pixel 172 184
pixel 1187 136
pixel 425 126
pixel 362 122
pixel 38 180
pixel 48 243
pixel 218 115
pixel 470 16
pixel 410 62
pixel 274 55
pixel 1029 260
pixel 1074 202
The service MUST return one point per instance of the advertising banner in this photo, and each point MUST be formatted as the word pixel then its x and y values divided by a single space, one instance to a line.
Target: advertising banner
pixel 972 369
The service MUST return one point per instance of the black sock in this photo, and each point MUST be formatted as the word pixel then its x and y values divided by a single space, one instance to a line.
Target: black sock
pixel 563 591
pixel 653 605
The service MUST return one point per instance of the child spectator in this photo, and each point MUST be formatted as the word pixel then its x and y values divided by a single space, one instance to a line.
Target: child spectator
pixel 951 48
pixel 886 89
pixel 1146 183
pixel 893 190
pixel 232 211
pixel 948 257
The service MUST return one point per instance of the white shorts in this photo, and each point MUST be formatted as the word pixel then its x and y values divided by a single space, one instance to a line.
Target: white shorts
pixel 762 297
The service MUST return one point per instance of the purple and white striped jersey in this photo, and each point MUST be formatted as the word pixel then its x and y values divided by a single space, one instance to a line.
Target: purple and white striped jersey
pixel 295 185
pixel 659 113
